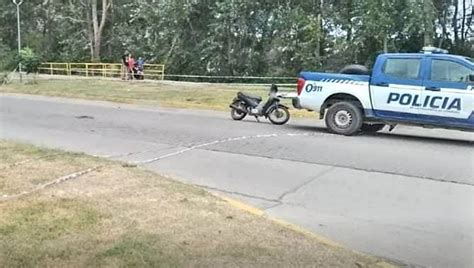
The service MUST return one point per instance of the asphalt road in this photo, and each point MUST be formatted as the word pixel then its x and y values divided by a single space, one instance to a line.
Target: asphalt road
pixel 406 195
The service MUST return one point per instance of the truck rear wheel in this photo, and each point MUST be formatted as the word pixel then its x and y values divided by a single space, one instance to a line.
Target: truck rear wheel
pixel 344 118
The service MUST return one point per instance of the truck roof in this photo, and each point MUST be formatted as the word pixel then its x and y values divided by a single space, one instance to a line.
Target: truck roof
pixel 441 55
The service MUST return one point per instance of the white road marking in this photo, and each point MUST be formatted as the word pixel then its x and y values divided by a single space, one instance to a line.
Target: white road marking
pixel 89 170
pixel 260 136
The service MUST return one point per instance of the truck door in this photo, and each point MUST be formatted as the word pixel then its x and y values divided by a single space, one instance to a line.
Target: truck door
pixel 448 96
pixel 397 84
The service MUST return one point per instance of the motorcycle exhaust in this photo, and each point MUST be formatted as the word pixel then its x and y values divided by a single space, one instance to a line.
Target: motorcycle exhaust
pixel 238 108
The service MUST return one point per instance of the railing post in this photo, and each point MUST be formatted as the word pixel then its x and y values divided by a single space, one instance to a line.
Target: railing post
pixel 68 66
pixel 51 68
pixel 163 73
pixel 87 69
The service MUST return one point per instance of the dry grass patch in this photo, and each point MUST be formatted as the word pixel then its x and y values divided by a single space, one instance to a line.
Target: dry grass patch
pixel 24 167
pixel 124 216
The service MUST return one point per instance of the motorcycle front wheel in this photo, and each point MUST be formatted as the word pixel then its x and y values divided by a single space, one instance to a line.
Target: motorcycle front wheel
pixel 279 115
pixel 237 114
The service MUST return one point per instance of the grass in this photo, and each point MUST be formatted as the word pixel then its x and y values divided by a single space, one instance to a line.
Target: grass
pixel 35 165
pixel 37 233
pixel 165 94
pixel 122 216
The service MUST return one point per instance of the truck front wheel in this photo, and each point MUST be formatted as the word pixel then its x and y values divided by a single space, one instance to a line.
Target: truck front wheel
pixel 344 118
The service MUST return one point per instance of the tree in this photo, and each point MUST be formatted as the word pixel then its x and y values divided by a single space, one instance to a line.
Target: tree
pixel 96 22
pixel 378 20
pixel 237 37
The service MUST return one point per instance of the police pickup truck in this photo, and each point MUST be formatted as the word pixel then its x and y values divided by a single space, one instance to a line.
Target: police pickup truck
pixel 429 89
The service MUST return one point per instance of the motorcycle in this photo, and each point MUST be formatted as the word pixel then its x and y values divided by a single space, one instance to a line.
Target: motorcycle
pixel 245 104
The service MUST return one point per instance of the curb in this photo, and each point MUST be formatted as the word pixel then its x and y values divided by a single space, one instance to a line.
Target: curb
pixel 258 212
pixel 298 229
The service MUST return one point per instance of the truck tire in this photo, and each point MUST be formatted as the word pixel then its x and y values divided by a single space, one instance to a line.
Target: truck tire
pixel 344 118
pixel 355 69
pixel 372 128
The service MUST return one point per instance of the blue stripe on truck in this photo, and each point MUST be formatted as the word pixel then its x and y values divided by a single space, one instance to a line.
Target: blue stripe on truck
pixel 334 78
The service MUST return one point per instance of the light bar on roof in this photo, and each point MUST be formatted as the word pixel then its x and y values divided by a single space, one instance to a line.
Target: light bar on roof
pixel 434 50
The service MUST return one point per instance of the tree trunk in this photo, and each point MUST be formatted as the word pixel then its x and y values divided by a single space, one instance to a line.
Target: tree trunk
pixel 349 20
pixel 443 21
pixel 230 64
pixel 95 27
pixel 455 23
pixel 469 17
pixel 385 44
pixel 97 43
pixel 171 50
pixel 90 31
pixel 319 22
pixel 428 23
pixel 463 24
pixel 98 27
pixel 317 52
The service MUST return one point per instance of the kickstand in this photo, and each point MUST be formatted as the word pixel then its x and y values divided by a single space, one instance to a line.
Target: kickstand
pixel 256 117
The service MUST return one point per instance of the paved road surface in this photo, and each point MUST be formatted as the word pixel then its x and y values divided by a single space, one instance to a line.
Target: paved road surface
pixel 406 195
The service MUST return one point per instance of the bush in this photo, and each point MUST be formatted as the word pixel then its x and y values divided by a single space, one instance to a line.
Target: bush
pixel 30 62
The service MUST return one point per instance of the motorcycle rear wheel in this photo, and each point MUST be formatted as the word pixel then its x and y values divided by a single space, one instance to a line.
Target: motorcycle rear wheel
pixel 236 114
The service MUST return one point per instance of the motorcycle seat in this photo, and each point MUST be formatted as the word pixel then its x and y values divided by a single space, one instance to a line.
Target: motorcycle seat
pixel 247 96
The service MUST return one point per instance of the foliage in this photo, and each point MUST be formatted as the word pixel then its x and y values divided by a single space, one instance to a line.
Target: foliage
pixel 239 37
pixel 30 62
pixel 7 57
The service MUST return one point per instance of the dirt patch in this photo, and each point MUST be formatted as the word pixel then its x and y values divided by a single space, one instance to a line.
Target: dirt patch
pixel 126 216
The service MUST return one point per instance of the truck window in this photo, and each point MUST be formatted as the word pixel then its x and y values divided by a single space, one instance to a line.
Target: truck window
pixel 402 68
pixel 449 71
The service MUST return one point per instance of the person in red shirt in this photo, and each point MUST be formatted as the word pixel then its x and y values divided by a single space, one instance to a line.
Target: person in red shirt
pixel 131 65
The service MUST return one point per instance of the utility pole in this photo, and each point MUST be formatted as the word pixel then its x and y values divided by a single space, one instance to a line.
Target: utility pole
pixel 18 3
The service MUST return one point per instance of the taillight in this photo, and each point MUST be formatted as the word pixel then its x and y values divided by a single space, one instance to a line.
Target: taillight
pixel 300 85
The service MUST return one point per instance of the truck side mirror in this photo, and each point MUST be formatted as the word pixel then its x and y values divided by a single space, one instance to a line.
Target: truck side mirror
pixel 471 78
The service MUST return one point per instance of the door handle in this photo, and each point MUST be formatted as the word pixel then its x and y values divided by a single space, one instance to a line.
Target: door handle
pixel 382 84
pixel 433 88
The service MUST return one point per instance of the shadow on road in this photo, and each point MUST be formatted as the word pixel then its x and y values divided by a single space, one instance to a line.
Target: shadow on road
pixel 418 137
pixel 426 139
pixel 392 136
pixel 308 128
